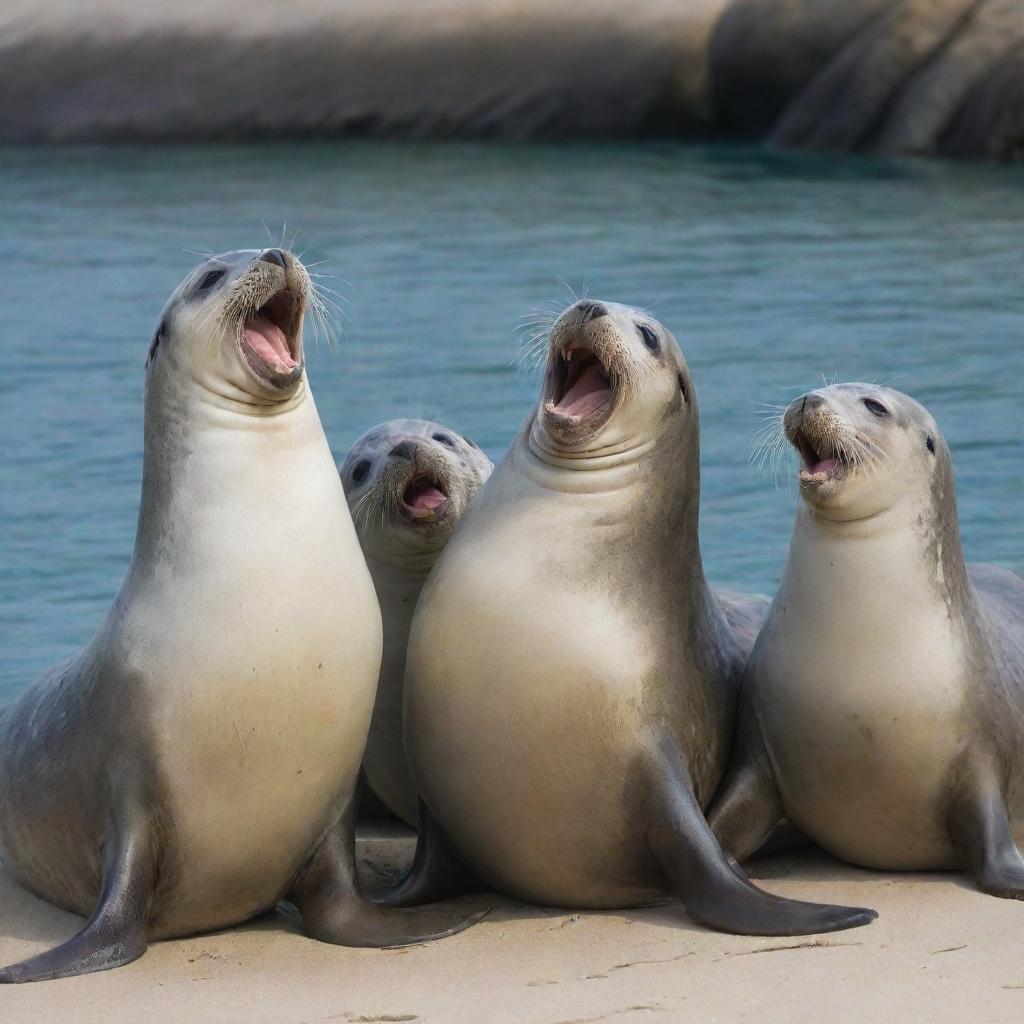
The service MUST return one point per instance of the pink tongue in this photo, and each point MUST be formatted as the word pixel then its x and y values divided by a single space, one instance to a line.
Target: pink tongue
pixel 267 340
pixel 825 466
pixel 590 392
pixel 423 496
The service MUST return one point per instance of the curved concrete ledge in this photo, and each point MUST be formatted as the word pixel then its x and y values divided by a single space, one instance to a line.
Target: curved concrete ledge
pixel 515 69
pixel 932 77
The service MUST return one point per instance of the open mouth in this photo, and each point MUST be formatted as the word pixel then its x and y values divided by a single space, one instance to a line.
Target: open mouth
pixel 581 388
pixel 270 339
pixel 423 498
pixel 821 461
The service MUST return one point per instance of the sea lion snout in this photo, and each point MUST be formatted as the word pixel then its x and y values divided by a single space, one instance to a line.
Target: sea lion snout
pixel 801 407
pixel 810 417
pixel 821 438
pixel 404 450
pixel 590 310
pixel 272 306
pixel 274 256
pixel 811 401
pixel 423 485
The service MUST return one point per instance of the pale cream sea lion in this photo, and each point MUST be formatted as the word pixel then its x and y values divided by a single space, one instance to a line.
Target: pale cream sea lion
pixel 408 483
pixel 197 762
pixel 571 676
pixel 883 706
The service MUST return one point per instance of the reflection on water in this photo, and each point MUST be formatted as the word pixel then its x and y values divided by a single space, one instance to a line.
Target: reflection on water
pixel 771 270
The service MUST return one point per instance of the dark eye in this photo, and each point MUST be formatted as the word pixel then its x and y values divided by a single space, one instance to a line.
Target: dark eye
pixel 682 388
pixel 360 471
pixel 471 442
pixel 210 278
pixel 650 338
pixel 930 444
pixel 875 408
pixel 444 439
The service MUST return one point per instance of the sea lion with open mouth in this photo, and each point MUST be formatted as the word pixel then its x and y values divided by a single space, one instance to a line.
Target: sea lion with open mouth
pixel 883 705
pixel 197 762
pixel 408 483
pixel 571 677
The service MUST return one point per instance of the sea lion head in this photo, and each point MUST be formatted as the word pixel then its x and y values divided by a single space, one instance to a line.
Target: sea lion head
pixel 234 325
pixel 408 482
pixel 615 381
pixel 863 448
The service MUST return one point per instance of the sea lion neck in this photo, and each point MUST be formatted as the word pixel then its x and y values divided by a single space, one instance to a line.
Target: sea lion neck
pixel 210 463
pixel 601 470
pixel 175 388
pixel 402 558
pixel 641 501
pixel 874 544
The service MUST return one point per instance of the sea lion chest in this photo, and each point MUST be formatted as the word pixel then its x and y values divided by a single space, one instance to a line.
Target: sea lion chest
pixel 525 704
pixel 859 689
pixel 260 674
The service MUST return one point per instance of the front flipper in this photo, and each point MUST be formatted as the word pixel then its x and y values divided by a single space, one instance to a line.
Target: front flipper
pixel 436 873
pixel 333 908
pixel 981 834
pixel 116 933
pixel 715 891
pixel 747 807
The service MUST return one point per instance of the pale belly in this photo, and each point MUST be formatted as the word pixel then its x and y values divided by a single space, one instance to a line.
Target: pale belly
pixel 525 731
pixel 863 743
pixel 259 753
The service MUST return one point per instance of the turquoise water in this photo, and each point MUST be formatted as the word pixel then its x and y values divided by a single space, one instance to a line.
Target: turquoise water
pixel 770 270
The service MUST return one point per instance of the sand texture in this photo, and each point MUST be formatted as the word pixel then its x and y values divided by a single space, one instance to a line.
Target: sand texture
pixel 940 951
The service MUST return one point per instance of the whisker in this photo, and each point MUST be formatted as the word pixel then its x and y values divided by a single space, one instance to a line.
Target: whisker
pixel 568 288
pixel 348 284
pixel 270 237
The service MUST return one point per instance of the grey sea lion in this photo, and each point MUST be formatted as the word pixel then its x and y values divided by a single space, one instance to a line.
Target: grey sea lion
pixel 408 483
pixel 883 705
pixel 197 762
pixel 571 677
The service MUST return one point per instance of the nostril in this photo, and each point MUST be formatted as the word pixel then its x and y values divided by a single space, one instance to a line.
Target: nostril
pixel 590 310
pixel 273 256
pixel 811 402
pixel 403 450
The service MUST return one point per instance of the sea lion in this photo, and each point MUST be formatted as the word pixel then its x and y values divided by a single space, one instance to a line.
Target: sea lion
pixel 884 700
pixel 408 483
pixel 571 677
pixel 197 762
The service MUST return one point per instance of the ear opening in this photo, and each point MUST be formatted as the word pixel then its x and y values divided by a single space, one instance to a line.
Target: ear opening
pixel 155 343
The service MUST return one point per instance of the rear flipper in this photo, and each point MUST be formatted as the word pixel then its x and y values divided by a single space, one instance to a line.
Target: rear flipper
pixel 437 872
pixel 333 908
pixel 981 834
pixel 116 932
pixel 713 889
pixel 747 807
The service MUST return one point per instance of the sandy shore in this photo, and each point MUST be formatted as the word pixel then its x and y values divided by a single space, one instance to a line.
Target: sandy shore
pixel 940 951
